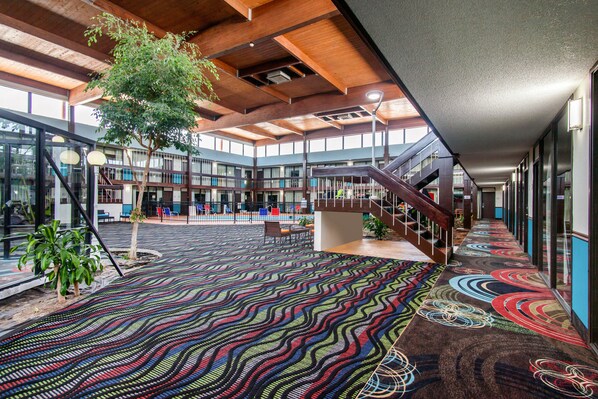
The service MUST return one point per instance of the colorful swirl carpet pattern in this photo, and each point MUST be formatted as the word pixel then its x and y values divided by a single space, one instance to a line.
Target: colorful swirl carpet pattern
pixel 223 316
pixel 489 329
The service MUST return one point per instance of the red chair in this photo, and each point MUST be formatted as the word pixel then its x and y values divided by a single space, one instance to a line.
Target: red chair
pixel 275 212
pixel 159 209
pixel 206 208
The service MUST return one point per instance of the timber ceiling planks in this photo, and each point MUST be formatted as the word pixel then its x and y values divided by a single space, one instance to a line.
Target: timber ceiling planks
pixel 42 40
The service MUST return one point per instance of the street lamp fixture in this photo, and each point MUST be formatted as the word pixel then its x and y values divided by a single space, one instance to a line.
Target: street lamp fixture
pixel 374 95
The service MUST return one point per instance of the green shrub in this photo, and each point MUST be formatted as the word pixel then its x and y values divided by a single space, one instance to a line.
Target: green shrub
pixel 65 251
pixel 376 227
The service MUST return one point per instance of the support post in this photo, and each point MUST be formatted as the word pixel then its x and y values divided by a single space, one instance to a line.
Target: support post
pixel 466 201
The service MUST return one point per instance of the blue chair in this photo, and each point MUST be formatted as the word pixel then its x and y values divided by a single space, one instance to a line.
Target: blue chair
pixel 169 213
pixel 199 209
pixel 227 209
pixel 263 212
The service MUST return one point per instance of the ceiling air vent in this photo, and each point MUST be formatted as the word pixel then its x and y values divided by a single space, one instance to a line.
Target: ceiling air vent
pixel 278 77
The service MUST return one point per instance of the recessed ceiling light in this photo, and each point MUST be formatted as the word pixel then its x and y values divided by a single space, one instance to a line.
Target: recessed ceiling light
pixel 374 95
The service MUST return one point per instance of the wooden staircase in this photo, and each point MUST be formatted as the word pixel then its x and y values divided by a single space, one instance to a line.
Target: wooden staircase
pixel 399 205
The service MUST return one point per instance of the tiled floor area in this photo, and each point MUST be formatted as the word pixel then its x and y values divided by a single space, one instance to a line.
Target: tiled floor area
pixel 382 249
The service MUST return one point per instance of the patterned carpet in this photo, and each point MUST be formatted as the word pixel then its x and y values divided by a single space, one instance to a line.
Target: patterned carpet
pixel 221 316
pixel 489 329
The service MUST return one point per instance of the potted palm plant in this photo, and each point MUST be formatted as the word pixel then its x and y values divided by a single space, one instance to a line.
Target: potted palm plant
pixel 65 252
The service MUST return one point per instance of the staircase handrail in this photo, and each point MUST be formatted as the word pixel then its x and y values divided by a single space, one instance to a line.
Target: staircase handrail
pixel 406 192
pixel 410 152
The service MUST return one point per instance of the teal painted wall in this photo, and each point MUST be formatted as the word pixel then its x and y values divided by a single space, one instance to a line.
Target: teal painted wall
pixel 498 212
pixel 530 236
pixel 580 275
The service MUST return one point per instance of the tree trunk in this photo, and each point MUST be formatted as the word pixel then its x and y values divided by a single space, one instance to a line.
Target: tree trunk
pixel 76 288
pixel 133 250
pixel 61 299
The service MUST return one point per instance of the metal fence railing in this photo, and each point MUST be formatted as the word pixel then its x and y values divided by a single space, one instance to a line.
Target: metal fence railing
pixel 228 212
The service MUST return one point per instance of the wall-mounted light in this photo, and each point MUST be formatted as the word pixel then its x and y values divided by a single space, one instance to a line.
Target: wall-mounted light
pixel 69 157
pixel 96 158
pixel 58 139
pixel 576 114
pixel 514 177
pixel 503 187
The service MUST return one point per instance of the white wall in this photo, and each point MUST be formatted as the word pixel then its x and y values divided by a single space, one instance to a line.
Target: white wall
pixel 336 228
pixel 581 163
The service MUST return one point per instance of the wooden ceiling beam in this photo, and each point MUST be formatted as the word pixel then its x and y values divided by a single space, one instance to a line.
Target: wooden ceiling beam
pixel 288 126
pixel 78 95
pixel 259 131
pixel 207 114
pixel 234 72
pixel 46 66
pixel 300 54
pixel 334 124
pixel 268 66
pixel 303 106
pixel 118 11
pixel 380 119
pixel 297 71
pixel 240 7
pixel 269 20
pixel 232 136
pixel 21 83
pixel 52 38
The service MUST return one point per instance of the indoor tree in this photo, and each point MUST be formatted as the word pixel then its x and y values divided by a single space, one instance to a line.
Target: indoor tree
pixel 152 85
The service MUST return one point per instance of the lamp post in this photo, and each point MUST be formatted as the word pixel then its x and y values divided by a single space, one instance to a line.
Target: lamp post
pixel 374 95
pixel 96 159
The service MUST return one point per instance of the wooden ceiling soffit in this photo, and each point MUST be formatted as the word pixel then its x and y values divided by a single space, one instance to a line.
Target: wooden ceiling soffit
pixel 307 60
pixel 287 125
pixel 52 38
pixel 118 11
pixel 22 83
pixel 303 106
pixel 232 136
pixel 268 66
pixel 259 131
pixel 240 7
pixel 206 113
pixel 380 118
pixel 35 63
pixel 232 71
pixel 78 95
pixel 269 20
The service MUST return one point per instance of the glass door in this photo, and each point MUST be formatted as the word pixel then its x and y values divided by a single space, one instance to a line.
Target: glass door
pixel 17 181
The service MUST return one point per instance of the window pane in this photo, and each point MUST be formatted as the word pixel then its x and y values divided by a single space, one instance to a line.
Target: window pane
pixel 236 148
pixel 272 150
pixel 46 106
pixel 317 145
pixel 286 148
pixel 222 145
pixel 334 143
pixel 299 147
pixel 415 135
pixel 261 151
pixel 248 150
pixel 353 141
pixel 206 141
pixel 13 99
pixel 84 114
pixel 367 140
pixel 379 139
pixel 395 137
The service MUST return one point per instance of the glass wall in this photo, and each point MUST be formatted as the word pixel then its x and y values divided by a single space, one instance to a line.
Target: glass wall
pixel 563 211
pixel 547 161
pixel 31 192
